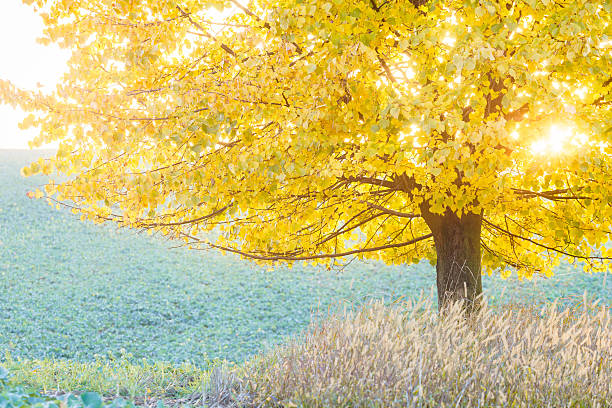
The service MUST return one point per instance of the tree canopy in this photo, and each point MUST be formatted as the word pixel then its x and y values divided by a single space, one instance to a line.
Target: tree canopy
pixel 311 130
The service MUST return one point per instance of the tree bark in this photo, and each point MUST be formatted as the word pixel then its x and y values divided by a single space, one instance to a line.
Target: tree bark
pixel 458 270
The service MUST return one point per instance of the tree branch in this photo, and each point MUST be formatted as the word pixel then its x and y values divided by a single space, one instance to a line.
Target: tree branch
pixel 203 218
pixel 391 212
pixel 498 228
pixel 199 27
pixel 321 256
pixel 552 194
pixel 385 67
pixel 369 180
pixel 518 114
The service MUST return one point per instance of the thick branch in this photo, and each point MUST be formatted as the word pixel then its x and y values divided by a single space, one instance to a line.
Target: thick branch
pixel 383 63
pixel 518 114
pixel 600 101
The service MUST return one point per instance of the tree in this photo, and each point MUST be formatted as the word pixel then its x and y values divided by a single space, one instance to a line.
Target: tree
pixel 474 134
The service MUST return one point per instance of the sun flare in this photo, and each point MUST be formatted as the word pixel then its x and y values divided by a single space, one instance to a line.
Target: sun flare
pixel 560 139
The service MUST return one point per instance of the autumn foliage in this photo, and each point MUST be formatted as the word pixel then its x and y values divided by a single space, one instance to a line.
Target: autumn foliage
pixel 475 134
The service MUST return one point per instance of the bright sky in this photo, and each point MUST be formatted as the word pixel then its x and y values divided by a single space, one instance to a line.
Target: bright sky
pixel 25 63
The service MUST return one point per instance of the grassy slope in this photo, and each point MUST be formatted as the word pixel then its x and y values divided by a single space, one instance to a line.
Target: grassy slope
pixel 120 377
pixel 393 357
pixel 374 357
pixel 74 290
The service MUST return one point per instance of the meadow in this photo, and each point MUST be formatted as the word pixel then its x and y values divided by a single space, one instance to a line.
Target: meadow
pixel 73 289
pixel 96 306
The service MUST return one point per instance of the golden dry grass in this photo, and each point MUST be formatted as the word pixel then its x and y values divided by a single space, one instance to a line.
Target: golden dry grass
pixel 405 356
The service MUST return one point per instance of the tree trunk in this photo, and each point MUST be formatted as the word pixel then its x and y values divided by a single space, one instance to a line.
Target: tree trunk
pixel 458 270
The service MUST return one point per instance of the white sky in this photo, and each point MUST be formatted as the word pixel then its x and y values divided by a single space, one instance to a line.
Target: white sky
pixel 25 63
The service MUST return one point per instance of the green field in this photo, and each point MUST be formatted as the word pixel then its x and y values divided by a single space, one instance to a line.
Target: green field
pixel 75 290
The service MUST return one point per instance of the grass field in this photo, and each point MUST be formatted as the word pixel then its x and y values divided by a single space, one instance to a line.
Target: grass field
pixel 76 290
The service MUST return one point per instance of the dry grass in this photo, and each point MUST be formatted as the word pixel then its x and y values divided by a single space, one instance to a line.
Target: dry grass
pixel 405 356
pixel 225 390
